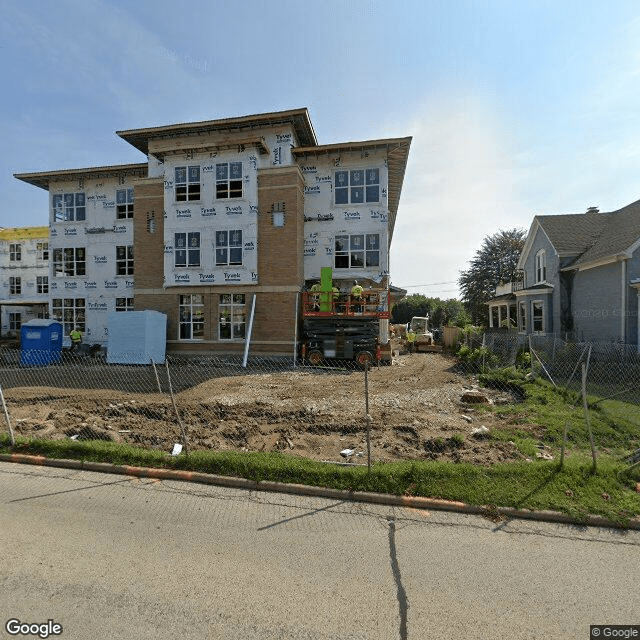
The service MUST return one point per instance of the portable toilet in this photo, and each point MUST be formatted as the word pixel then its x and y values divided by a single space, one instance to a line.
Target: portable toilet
pixel 40 342
pixel 136 337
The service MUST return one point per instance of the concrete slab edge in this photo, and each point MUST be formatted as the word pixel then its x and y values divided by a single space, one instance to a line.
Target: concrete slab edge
pixel 415 502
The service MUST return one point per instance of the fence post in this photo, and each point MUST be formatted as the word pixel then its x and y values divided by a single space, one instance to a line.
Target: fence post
pixel 183 433
pixel 586 413
pixel 564 444
pixel 531 354
pixel 6 415
pixel 367 416
pixel 157 376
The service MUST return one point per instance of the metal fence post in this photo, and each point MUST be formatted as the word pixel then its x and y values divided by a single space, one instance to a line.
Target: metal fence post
pixel 586 413
pixel 6 415
pixel 367 416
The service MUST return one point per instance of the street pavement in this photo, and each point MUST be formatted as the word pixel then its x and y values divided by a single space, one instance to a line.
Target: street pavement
pixel 108 556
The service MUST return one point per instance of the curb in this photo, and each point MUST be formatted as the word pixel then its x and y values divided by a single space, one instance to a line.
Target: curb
pixel 414 502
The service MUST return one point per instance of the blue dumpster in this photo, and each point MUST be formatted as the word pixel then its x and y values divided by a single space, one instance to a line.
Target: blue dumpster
pixel 40 342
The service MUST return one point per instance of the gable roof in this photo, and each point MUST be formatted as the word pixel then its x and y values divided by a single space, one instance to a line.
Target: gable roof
pixel 589 237
pixel 572 233
pixel 620 231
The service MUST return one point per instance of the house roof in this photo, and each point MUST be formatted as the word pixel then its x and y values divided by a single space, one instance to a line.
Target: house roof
pixel 572 233
pixel 592 237
pixel 620 231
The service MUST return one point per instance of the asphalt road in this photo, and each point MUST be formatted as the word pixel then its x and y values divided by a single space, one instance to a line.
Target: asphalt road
pixel 107 556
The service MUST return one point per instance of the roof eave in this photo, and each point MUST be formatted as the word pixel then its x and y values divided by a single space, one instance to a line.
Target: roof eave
pixel 299 118
pixel 397 157
pixel 43 179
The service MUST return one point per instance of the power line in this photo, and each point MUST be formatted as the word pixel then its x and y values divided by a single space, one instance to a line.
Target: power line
pixel 429 284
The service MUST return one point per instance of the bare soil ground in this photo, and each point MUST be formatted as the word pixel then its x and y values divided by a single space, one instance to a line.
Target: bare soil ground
pixel 415 404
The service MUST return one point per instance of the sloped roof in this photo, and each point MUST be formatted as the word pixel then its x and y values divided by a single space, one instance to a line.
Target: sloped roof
pixel 572 233
pixel 621 229
pixel 591 236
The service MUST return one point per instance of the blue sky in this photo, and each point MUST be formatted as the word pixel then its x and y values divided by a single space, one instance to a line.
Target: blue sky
pixel 516 108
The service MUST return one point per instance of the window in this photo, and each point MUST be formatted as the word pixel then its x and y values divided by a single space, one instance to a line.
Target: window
pixel 124 204
pixel 69 312
pixel 69 262
pixel 229 247
pixel 42 249
pixel 187 249
pixel 357 251
pixel 191 317
pixel 187 183
pixel 124 260
pixel 68 207
pixel 15 321
pixel 42 284
pixel 229 180
pixel 522 317
pixel 151 222
pixel 232 316
pixel 15 285
pixel 537 317
pixel 15 252
pixel 357 186
pixel 124 304
pixel 541 266
pixel 277 214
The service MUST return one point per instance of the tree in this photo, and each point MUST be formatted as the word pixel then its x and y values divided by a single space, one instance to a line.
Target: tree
pixel 493 264
pixel 440 312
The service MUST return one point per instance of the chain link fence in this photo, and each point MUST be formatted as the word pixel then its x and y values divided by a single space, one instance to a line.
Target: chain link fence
pixel 285 404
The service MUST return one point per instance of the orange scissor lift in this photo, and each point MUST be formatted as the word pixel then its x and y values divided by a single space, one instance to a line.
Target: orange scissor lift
pixel 339 325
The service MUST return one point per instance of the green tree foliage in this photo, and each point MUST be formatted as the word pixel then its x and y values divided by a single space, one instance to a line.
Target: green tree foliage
pixel 494 263
pixel 440 312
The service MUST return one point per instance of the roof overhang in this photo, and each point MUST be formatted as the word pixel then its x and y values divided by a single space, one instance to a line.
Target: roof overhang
pixel 397 155
pixel 612 259
pixel 43 179
pixel 532 291
pixel 298 118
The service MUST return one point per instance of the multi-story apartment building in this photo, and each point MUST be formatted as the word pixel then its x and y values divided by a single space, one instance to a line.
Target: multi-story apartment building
pixel 91 263
pixel 232 219
pixel 24 277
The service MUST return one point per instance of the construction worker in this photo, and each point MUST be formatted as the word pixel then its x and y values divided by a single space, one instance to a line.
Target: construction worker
pixel 76 338
pixel 411 340
pixel 315 296
pixel 335 296
pixel 356 296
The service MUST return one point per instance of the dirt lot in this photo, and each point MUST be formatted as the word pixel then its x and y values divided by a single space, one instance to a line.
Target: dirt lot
pixel 416 408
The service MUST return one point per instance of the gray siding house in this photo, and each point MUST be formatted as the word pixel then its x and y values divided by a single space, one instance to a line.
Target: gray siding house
pixel 579 278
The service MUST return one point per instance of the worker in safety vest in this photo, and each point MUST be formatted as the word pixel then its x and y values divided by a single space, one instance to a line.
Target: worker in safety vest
pixel 315 296
pixel 76 338
pixel 411 340
pixel 335 297
pixel 356 296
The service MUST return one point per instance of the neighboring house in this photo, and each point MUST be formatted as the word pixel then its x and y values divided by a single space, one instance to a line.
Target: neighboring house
pixel 24 277
pixel 580 278
pixel 232 217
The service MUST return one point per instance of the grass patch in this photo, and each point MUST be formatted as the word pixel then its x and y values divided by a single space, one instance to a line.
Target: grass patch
pixel 615 424
pixel 526 485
